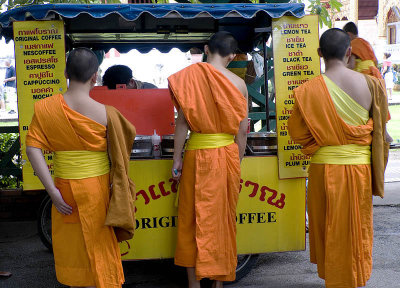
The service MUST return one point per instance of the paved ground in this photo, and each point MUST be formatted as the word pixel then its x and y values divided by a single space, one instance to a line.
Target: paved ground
pixel 393 169
pixel 32 265
pixel 23 254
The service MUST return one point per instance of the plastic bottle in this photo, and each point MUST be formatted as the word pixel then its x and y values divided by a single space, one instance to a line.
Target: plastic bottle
pixel 156 140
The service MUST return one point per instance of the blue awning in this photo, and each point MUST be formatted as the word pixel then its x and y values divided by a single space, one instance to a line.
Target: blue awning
pixel 133 11
pixel 84 20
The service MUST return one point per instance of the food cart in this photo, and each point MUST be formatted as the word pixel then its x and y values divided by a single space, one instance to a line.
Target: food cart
pixel 271 207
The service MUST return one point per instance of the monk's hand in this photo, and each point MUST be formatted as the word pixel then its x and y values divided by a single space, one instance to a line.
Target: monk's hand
pixel 59 202
pixel 177 169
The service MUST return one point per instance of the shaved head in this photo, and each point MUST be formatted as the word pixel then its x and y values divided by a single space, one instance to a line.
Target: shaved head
pixel 81 64
pixel 351 27
pixel 223 43
pixel 334 44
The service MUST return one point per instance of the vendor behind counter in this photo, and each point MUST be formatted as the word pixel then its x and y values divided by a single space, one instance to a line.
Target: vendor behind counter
pixel 121 74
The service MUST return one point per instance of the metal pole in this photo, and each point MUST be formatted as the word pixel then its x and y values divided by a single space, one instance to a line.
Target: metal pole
pixel 266 81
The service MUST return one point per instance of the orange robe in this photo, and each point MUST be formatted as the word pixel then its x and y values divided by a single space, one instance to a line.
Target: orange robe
pixel 86 252
pixel 339 196
pixel 209 186
pixel 363 50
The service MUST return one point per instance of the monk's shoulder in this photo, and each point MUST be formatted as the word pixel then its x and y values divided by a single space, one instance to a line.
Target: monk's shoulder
pixel 237 81
pixel 307 87
pixel 377 85
pixel 114 115
pixel 46 101
pixel 362 42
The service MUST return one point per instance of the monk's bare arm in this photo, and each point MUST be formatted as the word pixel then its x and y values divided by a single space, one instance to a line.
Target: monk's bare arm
pixel 181 130
pixel 241 137
pixel 352 62
pixel 35 156
pixel 388 138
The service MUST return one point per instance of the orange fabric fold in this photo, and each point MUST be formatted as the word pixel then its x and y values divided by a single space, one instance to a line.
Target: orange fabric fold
pixel 339 196
pixel 86 252
pixel 363 50
pixel 209 186
pixel 121 211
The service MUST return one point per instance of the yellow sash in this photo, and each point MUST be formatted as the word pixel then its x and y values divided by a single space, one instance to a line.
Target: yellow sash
pixel 363 65
pixel 347 108
pixel 208 141
pixel 353 114
pixel 350 154
pixel 80 164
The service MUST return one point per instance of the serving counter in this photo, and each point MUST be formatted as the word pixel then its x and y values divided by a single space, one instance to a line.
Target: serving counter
pixel 270 212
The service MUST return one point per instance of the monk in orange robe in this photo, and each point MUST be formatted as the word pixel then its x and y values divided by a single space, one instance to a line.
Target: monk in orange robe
pixel 363 58
pixel 74 127
pixel 212 103
pixel 331 120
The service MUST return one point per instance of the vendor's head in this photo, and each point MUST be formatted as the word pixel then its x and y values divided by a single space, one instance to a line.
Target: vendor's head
pixel 119 74
pixel 334 44
pixel 82 66
pixel 7 62
pixel 351 29
pixel 221 46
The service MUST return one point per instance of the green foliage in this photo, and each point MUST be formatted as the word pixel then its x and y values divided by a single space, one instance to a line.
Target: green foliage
pixel 10 4
pixel 8 182
pixel 6 141
pixel 323 10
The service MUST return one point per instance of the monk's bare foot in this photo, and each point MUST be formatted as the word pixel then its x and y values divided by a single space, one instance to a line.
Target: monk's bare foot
pixel 217 284
pixel 5 274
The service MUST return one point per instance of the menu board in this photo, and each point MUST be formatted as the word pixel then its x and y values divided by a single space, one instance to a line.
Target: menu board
pixel 40 65
pixel 295 44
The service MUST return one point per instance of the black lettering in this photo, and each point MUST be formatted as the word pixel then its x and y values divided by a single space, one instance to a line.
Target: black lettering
pixel 145 223
pixel 162 223
pixel 271 217
pixel 261 218
pixel 242 217
pixel 252 217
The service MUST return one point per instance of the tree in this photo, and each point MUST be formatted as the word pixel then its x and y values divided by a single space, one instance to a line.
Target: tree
pixel 324 10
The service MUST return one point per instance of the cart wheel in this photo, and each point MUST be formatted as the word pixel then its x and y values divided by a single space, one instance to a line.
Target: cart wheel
pixel 44 222
pixel 244 266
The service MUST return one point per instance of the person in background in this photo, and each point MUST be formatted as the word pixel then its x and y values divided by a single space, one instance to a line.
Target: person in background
pixel 362 58
pixel 387 72
pixel 2 102
pixel 340 120
pixel 10 78
pixel 92 200
pixel 212 103
pixel 9 84
pixel 121 74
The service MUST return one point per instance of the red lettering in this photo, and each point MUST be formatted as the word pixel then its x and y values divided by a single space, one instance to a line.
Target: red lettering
pixel 144 195
pixel 174 185
pixel 255 188
pixel 162 189
pixel 152 193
